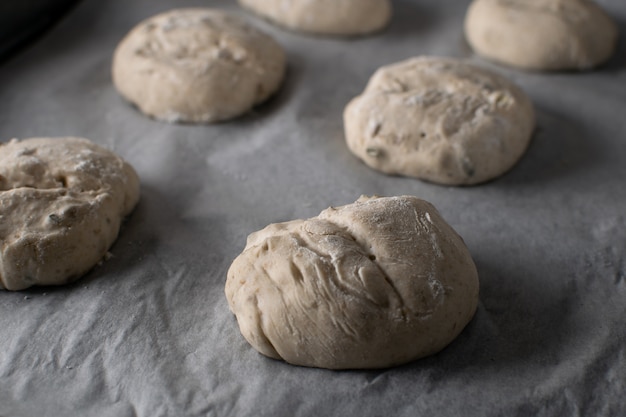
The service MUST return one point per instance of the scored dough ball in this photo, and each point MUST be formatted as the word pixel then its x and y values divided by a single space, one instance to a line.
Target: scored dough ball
pixel 329 17
pixel 197 65
pixel 441 120
pixel 61 204
pixel 541 34
pixel 373 284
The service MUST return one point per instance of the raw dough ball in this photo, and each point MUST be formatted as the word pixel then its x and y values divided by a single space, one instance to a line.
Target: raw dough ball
pixel 330 17
pixel 61 204
pixel 541 34
pixel 372 284
pixel 441 120
pixel 197 65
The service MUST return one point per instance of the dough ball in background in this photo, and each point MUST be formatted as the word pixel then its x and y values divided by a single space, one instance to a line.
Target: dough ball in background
pixel 373 284
pixel 326 17
pixel 546 35
pixel 439 119
pixel 197 65
pixel 61 204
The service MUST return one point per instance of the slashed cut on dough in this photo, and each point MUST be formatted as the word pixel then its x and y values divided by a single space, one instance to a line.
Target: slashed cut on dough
pixel 373 284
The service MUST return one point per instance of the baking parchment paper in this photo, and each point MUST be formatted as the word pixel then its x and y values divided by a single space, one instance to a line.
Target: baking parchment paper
pixel 149 333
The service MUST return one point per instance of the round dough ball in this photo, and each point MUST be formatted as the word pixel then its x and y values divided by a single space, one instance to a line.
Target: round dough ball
pixel 61 204
pixel 441 120
pixel 328 17
pixel 197 65
pixel 541 34
pixel 373 284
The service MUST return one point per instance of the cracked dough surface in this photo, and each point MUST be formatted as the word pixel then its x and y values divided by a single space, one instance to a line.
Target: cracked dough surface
pixel 197 65
pixel 61 204
pixel 439 119
pixel 541 34
pixel 372 284
pixel 330 17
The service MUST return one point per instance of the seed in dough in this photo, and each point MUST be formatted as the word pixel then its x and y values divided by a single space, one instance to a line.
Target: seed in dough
pixel 197 65
pixel 541 35
pixel 441 120
pixel 373 284
pixel 61 204
pixel 327 17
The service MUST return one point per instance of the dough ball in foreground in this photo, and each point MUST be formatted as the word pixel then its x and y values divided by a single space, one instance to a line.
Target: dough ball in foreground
pixel 372 284
pixel 327 17
pixel 197 65
pixel 541 34
pixel 439 119
pixel 61 204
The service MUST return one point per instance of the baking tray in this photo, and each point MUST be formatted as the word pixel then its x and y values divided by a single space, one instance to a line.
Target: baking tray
pixel 149 333
pixel 22 21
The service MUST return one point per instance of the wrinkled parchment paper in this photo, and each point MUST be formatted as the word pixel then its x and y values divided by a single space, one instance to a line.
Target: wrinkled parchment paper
pixel 148 332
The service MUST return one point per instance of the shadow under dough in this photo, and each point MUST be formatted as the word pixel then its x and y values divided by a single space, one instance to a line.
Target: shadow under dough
pixel 559 147
pixel 410 18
